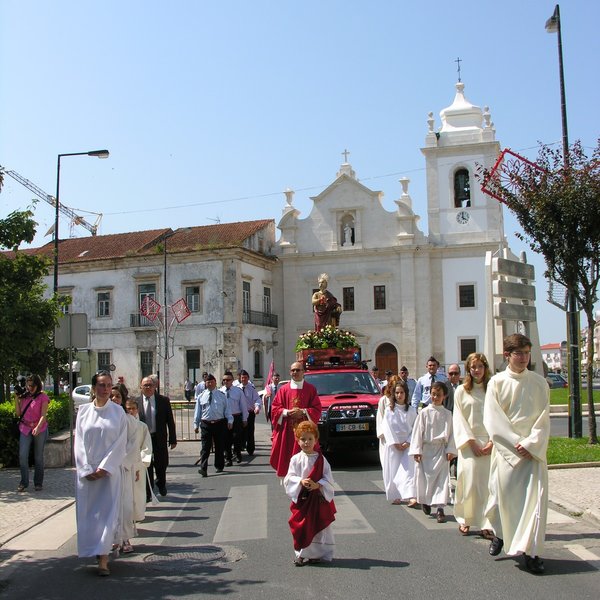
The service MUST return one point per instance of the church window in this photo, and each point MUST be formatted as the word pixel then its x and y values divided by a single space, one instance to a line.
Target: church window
pixel 462 189
pixel 466 295
pixel 348 298
pixel 467 346
pixel 379 297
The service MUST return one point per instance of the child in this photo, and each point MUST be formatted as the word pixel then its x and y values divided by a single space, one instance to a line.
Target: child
pixel 395 420
pixel 309 485
pixel 432 445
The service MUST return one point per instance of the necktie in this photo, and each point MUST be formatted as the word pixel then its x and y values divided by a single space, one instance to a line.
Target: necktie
pixel 432 379
pixel 210 397
pixel 227 394
pixel 150 416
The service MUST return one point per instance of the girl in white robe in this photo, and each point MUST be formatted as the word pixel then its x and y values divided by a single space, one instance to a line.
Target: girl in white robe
pixel 432 445
pixel 474 448
pixel 394 429
pixel 100 441
pixel 141 461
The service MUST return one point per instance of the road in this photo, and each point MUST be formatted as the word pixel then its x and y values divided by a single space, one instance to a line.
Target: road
pixel 227 535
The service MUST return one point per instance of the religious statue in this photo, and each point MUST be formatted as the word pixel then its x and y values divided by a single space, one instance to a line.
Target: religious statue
pixel 347 235
pixel 325 305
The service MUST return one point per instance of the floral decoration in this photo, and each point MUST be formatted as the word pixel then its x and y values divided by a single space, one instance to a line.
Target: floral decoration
pixel 328 337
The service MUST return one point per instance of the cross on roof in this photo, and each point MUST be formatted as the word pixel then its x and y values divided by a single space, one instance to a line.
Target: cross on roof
pixel 345 155
pixel 458 61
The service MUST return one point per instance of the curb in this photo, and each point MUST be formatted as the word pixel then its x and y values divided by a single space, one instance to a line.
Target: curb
pixel 35 522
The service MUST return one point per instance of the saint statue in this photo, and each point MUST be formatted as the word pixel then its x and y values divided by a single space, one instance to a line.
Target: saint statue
pixel 325 305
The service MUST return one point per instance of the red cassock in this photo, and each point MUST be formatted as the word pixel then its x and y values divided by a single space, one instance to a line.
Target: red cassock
pixel 284 442
pixel 312 513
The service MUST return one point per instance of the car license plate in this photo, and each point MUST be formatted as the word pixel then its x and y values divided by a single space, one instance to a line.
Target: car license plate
pixel 352 427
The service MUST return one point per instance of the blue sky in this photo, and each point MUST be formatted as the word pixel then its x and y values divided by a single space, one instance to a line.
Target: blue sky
pixel 211 109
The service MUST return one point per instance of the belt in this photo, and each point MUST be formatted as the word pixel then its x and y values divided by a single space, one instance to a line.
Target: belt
pixel 236 415
pixel 206 422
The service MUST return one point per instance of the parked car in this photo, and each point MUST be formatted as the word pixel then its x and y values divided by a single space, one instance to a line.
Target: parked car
pixel 556 381
pixel 81 395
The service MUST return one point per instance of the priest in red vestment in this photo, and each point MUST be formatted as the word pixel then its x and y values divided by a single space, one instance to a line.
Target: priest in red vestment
pixel 296 401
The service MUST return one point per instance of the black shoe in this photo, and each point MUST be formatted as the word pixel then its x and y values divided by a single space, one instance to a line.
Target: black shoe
pixel 162 489
pixel 148 498
pixel 203 472
pixel 441 517
pixel 219 470
pixel 229 463
pixel 250 453
pixel 426 509
pixel 534 564
pixel 238 459
pixel 496 546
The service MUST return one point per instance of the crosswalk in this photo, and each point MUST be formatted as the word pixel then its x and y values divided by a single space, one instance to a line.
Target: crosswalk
pixel 244 516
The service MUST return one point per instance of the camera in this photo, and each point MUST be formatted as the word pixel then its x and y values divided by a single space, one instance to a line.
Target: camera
pixel 20 387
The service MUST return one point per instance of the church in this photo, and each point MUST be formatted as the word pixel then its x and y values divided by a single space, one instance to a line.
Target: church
pixel 405 293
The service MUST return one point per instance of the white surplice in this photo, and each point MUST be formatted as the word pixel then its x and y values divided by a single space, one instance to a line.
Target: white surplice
pixel 433 439
pixel 395 427
pixel 100 442
pixel 517 411
pixel 471 496
pixel 301 464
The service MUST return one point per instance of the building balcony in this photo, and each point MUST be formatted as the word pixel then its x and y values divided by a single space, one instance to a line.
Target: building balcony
pixel 254 317
pixel 137 320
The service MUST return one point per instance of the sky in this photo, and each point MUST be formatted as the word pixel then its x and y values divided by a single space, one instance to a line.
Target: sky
pixel 211 109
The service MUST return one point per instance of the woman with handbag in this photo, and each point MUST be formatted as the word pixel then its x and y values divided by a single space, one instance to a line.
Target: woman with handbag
pixel 32 408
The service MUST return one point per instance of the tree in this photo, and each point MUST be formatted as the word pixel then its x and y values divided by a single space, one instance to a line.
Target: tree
pixel 558 208
pixel 27 319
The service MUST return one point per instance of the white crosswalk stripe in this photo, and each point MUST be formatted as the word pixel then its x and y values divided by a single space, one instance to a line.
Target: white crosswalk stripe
pixel 244 515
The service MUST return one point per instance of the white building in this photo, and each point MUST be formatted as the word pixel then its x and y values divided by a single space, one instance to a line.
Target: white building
pixel 405 294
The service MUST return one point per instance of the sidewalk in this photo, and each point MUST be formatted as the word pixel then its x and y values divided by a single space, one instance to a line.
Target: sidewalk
pixel 575 489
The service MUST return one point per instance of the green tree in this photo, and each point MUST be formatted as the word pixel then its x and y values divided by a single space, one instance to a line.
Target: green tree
pixel 27 319
pixel 558 208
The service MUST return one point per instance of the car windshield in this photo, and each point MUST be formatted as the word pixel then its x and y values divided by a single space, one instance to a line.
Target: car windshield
pixel 333 383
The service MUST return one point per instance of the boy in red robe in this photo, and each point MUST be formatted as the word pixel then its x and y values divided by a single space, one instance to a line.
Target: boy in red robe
pixel 295 402
pixel 309 484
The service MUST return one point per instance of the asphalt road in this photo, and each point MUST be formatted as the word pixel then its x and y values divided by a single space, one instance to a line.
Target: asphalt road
pixel 227 536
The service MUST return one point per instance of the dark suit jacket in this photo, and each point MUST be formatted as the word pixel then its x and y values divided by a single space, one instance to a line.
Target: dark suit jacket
pixel 164 422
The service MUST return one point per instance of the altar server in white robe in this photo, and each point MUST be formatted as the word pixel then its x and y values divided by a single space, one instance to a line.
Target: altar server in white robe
pixel 395 420
pixel 100 442
pixel 432 445
pixel 142 456
pixel 517 417
pixel 474 448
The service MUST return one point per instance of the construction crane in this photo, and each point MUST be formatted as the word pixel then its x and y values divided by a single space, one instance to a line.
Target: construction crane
pixel 75 219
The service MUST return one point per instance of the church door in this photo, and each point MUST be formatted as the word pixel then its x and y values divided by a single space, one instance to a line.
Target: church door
pixel 386 359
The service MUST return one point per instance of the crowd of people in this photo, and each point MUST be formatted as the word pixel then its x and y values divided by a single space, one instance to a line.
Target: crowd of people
pixel 497 426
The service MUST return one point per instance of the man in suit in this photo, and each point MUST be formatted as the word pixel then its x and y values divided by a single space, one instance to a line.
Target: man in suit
pixel 155 411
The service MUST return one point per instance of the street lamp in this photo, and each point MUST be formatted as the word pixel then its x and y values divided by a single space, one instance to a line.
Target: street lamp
pixel 98 154
pixel 575 425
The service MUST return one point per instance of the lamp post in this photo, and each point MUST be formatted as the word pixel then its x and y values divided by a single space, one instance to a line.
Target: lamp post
pixel 575 424
pixel 98 154
pixel 165 316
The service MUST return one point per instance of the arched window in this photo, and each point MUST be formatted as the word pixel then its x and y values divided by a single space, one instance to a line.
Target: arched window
pixel 462 189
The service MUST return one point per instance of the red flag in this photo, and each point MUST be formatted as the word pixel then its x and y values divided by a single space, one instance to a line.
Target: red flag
pixel 270 376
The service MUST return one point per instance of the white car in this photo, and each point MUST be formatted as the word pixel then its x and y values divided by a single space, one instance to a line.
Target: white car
pixel 81 395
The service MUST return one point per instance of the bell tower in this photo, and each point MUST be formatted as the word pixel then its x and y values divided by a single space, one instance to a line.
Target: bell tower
pixel 458 211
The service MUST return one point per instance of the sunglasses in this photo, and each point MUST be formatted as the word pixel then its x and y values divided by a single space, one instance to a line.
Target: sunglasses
pixel 453 373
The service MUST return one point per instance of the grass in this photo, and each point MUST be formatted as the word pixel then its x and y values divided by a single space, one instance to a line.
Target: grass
pixel 568 450
pixel 561 396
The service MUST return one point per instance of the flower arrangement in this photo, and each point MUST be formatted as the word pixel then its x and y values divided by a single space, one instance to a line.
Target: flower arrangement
pixel 328 337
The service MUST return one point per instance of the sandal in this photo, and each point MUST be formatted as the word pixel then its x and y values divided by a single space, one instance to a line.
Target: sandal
pixel 21 488
pixel 300 562
pixel 397 501
pixel 413 504
pixel 464 529
pixel 488 534
pixel 127 548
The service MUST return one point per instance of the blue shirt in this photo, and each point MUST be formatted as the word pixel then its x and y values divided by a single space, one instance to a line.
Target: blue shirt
pixel 251 396
pixel 422 393
pixel 236 401
pixel 211 411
